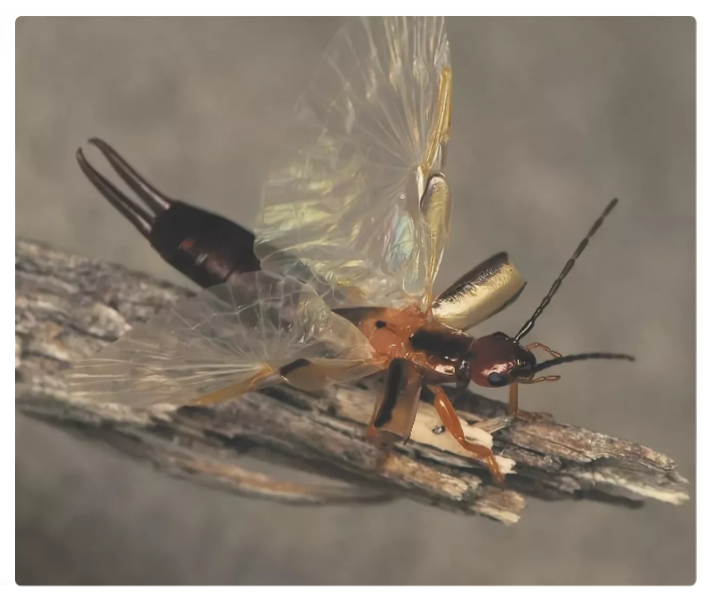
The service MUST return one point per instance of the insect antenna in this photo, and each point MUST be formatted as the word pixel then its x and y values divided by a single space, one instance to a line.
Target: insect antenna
pixel 528 326
pixel 577 357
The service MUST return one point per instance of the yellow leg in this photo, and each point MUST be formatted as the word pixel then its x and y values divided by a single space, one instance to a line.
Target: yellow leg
pixel 542 379
pixel 542 346
pixel 513 399
pixel 448 416
pixel 513 391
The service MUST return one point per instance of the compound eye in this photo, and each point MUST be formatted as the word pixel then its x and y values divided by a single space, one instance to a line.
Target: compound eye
pixel 496 379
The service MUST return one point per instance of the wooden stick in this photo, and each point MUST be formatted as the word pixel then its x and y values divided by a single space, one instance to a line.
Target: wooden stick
pixel 68 307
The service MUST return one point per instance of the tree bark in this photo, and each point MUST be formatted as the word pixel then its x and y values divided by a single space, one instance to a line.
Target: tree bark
pixel 67 307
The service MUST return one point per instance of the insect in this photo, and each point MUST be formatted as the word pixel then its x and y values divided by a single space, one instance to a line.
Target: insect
pixel 336 282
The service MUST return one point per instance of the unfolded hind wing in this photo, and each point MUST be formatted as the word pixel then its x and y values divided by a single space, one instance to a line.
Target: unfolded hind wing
pixel 227 340
pixel 348 209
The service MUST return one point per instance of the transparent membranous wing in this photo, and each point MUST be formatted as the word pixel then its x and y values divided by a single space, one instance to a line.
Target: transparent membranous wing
pixel 227 340
pixel 345 211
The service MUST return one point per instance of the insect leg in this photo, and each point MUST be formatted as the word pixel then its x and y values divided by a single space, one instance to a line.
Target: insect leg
pixel 448 416
pixel 513 399
pixel 541 379
pixel 513 390
pixel 394 413
pixel 542 346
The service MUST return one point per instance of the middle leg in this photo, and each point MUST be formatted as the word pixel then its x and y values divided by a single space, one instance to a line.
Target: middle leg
pixel 448 416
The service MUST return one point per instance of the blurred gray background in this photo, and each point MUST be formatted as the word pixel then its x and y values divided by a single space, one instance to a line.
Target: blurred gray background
pixel 552 118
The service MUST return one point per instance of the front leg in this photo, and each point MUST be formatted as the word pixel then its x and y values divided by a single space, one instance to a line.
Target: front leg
pixel 450 419
pixel 513 399
pixel 548 350
pixel 513 391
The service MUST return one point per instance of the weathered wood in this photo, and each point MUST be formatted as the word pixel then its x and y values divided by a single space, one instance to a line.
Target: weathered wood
pixel 67 307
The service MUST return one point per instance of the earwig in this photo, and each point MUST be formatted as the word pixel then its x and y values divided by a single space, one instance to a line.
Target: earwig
pixel 336 281
pixel 423 350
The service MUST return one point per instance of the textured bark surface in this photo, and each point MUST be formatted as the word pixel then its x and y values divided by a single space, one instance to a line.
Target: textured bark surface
pixel 68 307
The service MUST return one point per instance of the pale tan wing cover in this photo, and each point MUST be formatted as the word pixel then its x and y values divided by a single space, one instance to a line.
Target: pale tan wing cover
pixel 232 336
pixel 343 211
pixel 479 294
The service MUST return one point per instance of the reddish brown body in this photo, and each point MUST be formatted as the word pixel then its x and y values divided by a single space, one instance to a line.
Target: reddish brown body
pixel 442 354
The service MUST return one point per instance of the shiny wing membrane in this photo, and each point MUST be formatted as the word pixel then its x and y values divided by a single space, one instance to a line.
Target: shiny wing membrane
pixel 347 211
pixel 227 340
